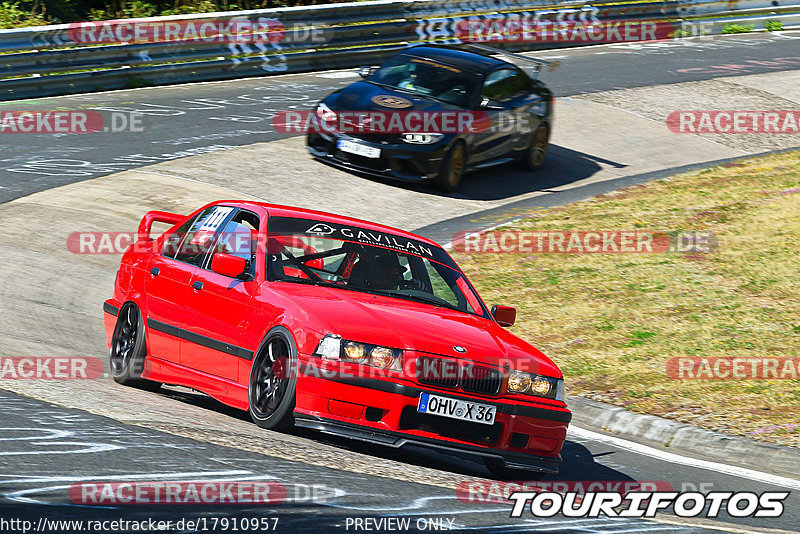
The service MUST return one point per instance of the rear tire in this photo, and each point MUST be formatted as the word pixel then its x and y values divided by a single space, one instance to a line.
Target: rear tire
pixel 498 469
pixel 129 349
pixel 452 169
pixel 273 381
pixel 534 156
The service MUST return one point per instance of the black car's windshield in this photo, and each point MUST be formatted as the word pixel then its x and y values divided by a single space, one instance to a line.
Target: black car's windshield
pixel 312 252
pixel 427 78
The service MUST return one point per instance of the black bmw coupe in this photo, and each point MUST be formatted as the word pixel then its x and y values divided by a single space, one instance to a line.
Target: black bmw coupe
pixel 435 112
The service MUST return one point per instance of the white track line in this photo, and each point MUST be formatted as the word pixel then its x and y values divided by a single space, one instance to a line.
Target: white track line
pixel 724 469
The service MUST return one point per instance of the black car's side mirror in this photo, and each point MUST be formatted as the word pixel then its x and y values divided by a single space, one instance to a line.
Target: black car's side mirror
pixel 490 105
pixel 366 71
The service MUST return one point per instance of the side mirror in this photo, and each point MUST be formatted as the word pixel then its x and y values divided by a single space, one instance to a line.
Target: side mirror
pixel 228 265
pixel 366 71
pixel 490 105
pixel 504 315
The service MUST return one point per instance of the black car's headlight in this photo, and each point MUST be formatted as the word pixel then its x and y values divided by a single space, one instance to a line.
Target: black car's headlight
pixel 333 347
pixel 421 138
pixel 325 113
pixel 536 385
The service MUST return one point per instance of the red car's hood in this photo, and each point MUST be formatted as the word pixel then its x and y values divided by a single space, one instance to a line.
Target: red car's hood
pixel 409 325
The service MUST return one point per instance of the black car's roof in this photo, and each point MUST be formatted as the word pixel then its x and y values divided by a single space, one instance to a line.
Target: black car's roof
pixel 456 57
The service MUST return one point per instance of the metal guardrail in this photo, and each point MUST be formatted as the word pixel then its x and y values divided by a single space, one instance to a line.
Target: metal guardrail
pixel 52 60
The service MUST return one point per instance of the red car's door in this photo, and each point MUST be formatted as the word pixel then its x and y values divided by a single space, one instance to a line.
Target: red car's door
pixel 218 313
pixel 169 277
pixel 166 289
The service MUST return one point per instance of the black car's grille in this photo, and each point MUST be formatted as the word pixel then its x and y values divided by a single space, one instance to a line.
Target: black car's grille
pixel 450 373
pixel 480 379
pixel 411 419
pixel 441 372
pixel 375 164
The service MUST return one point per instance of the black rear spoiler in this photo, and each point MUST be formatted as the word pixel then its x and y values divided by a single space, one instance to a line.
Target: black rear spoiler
pixel 538 63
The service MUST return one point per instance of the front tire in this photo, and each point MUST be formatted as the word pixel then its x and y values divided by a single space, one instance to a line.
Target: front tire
pixel 452 169
pixel 129 349
pixel 273 381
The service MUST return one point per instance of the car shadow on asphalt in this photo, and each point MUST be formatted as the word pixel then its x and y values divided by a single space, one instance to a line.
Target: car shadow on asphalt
pixel 562 166
pixel 578 462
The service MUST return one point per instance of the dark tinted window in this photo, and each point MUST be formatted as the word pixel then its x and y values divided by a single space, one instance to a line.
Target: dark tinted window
pixel 504 84
pixel 427 78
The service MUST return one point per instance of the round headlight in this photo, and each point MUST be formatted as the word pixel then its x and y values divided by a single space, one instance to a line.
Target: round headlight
pixel 540 386
pixel 355 352
pixel 382 357
pixel 519 382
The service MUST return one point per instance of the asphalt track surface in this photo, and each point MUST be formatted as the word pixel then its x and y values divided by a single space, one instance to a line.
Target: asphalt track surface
pixel 44 448
pixel 190 119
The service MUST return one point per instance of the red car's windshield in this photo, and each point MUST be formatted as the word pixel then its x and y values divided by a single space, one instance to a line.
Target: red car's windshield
pixel 348 257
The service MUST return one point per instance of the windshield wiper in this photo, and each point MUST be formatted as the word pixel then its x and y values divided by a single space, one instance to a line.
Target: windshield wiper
pixel 419 298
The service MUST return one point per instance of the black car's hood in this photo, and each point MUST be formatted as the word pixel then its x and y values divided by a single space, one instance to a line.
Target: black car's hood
pixel 366 96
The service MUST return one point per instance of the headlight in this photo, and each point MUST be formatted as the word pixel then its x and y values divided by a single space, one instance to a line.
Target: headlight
pixel 421 138
pixel 325 113
pixel 381 357
pixel 355 352
pixel 537 385
pixel 335 348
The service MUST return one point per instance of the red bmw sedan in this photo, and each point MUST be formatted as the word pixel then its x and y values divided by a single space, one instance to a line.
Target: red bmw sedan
pixel 335 324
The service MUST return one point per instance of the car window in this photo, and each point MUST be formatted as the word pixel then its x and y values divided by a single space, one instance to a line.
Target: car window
pixel 201 233
pixel 370 261
pixel 427 78
pixel 504 84
pixel 239 238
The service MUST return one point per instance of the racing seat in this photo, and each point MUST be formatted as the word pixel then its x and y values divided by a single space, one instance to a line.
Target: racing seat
pixel 381 270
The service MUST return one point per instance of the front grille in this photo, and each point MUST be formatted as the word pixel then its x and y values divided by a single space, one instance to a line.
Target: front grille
pixel 411 419
pixel 441 372
pixel 480 379
pixel 373 164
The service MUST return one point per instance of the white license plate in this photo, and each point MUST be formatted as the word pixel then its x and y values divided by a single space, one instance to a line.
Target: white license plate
pixel 456 409
pixel 356 148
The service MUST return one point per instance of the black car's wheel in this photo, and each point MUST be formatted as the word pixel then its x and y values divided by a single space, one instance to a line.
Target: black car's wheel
pixel 498 469
pixel 452 170
pixel 273 381
pixel 128 349
pixel 537 152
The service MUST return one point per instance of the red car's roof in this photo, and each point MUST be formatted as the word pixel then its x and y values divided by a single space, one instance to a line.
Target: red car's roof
pixel 276 210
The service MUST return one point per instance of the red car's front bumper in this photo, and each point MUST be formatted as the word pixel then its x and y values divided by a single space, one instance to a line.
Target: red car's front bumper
pixel 526 436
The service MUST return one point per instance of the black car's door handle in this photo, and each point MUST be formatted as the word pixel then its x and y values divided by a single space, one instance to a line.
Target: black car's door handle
pixel 155 271
pixel 198 285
